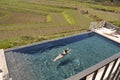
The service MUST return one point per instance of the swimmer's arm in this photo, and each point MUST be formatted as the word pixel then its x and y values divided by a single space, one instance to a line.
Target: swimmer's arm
pixel 69 50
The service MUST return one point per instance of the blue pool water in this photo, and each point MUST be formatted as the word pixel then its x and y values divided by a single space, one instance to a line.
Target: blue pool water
pixel 36 62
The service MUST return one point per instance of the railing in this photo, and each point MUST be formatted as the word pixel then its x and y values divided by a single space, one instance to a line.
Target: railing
pixel 108 69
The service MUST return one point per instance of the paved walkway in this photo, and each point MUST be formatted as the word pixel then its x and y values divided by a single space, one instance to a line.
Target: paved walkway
pixel 3 65
pixel 109 33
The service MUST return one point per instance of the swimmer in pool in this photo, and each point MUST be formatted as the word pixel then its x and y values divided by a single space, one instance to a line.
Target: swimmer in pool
pixel 62 54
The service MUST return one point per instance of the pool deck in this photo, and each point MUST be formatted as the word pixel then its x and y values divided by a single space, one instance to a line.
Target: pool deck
pixel 3 65
pixel 108 33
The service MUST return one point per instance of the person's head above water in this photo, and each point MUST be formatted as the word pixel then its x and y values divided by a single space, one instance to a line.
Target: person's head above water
pixel 66 50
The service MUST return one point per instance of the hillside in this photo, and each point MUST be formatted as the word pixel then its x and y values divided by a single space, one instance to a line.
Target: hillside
pixel 27 21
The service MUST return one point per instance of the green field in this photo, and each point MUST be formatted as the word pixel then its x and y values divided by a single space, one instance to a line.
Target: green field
pixel 27 21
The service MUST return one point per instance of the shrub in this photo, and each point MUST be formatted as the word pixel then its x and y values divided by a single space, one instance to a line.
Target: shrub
pixel 41 38
pixel 27 38
pixel 84 11
pixel 95 17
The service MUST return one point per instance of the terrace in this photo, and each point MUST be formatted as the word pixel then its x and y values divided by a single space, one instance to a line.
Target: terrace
pixel 107 69
pixel 107 30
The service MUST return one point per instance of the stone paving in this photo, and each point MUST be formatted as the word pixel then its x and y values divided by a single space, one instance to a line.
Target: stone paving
pixel 109 33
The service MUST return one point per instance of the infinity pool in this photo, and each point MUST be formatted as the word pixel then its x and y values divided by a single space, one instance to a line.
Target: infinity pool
pixel 35 62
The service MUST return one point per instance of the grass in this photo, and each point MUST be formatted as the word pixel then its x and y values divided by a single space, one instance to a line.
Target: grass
pixel 27 21
pixel 19 41
pixel 49 19
pixel 68 18
pixel 105 8
pixel 3 14
pixel 19 18
pixel 80 19
pixel 117 23
pixel 58 18
pixel 108 16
